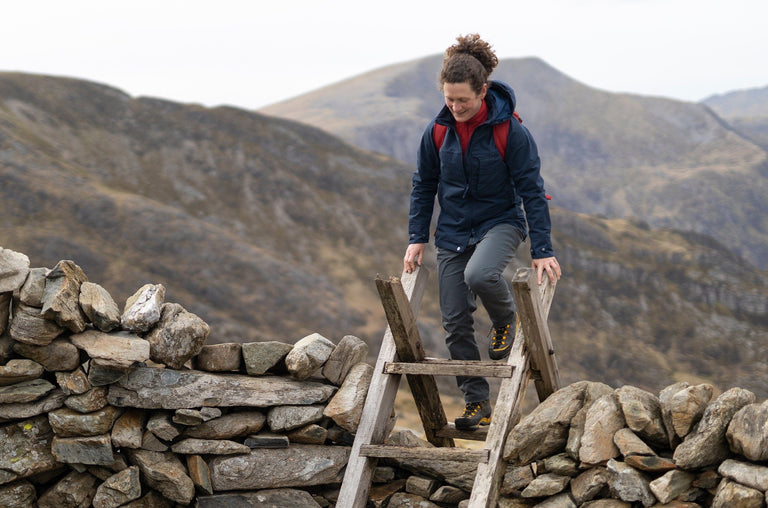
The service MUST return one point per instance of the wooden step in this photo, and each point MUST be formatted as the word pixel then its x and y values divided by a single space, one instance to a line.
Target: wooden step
pixel 441 367
pixel 450 430
pixel 425 453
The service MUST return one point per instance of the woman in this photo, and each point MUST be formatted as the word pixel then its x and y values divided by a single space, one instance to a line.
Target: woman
pixel 481 221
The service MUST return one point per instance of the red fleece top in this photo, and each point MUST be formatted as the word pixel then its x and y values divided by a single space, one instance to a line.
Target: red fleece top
pixel 465 129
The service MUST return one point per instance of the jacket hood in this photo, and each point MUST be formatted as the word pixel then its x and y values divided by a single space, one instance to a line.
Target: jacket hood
pixel 500 100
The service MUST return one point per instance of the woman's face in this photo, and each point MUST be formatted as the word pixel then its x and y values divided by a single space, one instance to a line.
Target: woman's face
pixel 463 102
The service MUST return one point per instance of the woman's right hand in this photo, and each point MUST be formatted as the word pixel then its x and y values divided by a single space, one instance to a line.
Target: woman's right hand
pixel 413 256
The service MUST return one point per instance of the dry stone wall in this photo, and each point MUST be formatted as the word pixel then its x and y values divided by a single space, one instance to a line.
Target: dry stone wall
pixel 106 407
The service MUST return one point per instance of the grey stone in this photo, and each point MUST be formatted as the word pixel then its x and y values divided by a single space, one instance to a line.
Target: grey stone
pixel 16 411
pixel 296 466
pixel 220 357
pixel 192 417
pixel 544 431
pixel 629 484
pixel 25 448
pixel 152 499
pixel 604 419
pixel 730 494
pixel 629 444
pixel 6 347
pixel 642 413
pixel 178 336
pixel 68 423
pixel 448 495
pixel 18 371
pixel 170 389
pixel 285 418
pixel 88 402
pixel 58 355
pixel 267 440
pixel 61 296
pixel 259 357
pixel 14 268
pixel 348 352
pixel 228 426
pixel 30 327
pixel 545 485
pixel 96 450
pixel 99 307
pixel 562 500
pixel 160 425
pixel 165 473
pixel 421 486
pixel 382 474
pixel 100 373
pixel 18 495
pixel 590 484
pixel 609 503
pixel 118 489
pixel 200 474
pixel 142 309
pixel 311 434
pixel 128 429
pixel 308 355
pixel 31 292
pixel 267 498
pixel 192 446
pixel 516 479
pixel 706 445
pixel 751 475
pixel 150 442
pixel 5 311
pixel 670 485
pixel 747 433
pixel 74 490
pixel 26 391
pixel 686 407
pixel 405 500
pixel 117 349
pixel 561 464
pixel 346 407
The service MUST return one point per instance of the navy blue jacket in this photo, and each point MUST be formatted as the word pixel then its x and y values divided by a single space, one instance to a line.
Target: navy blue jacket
pixel 480 189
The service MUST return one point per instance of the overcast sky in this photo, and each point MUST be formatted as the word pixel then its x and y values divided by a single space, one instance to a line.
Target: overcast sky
pixel 253 53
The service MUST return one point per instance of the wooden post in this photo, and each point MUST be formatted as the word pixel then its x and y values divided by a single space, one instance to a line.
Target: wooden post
pixel 405 334
pixel 533 302
pixel 378 407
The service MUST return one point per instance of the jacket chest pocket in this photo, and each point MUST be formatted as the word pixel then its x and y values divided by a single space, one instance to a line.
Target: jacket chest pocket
pixel 489 176
pixel 452 169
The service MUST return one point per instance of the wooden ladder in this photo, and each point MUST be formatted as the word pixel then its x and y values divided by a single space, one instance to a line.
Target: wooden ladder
pixel 532 357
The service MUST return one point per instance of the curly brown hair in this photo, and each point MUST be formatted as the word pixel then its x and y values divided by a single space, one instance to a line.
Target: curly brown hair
pixel 471 60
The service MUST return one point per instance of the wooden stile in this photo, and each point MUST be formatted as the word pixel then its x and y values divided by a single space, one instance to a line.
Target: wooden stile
pixel 532 357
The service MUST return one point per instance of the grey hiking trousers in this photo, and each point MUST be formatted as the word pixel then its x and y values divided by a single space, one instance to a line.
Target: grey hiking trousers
pixel 463 276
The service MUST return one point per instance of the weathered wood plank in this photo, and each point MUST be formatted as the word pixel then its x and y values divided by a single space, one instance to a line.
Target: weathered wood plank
pixel 439 367
pixel 425 453
pixel 378 405
pixel 533 302
pixel 478 434
pixel 407 339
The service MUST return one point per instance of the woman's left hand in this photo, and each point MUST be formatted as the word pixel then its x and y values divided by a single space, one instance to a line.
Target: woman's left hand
pixel 550 265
